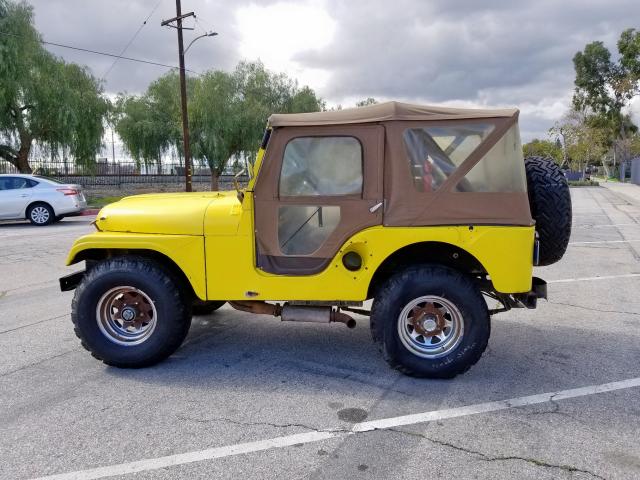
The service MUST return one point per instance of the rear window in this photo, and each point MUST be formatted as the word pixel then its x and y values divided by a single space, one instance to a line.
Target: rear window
pixel 500 170
pixel 434 153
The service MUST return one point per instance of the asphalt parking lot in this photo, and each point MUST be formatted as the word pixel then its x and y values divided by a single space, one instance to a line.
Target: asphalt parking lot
pixel 556 395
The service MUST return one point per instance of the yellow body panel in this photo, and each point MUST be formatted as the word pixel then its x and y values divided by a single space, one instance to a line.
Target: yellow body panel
pixel 505 252
pixel 187 251
pixel 170 213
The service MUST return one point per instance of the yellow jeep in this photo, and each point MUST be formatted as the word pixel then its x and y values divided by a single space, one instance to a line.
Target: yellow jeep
pixel 429 212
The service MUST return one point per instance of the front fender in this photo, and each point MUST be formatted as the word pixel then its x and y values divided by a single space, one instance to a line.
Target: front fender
pixel 186 251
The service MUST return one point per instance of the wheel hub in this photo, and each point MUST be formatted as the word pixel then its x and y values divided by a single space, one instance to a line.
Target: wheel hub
pixel 129 313
pixel 126 315
pixel 430 326
pixel 428 320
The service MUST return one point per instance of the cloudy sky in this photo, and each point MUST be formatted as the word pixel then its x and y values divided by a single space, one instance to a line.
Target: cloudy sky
pixel 455 52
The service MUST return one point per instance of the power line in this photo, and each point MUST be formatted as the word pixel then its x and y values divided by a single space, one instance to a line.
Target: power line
pixel 106 54
pixel 135 35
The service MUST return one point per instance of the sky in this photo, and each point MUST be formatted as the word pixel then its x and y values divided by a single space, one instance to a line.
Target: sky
pixel 465 53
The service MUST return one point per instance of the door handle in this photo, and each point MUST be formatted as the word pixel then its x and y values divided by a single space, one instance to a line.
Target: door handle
pixel 375 208
pixel 24 195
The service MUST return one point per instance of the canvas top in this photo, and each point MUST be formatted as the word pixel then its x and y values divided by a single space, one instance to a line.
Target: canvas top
pixel 383 112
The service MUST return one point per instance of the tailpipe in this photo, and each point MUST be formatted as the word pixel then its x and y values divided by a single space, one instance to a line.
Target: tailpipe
pixel 295 313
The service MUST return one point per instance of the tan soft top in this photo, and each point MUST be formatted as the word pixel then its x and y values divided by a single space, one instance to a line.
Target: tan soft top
pixel 382 112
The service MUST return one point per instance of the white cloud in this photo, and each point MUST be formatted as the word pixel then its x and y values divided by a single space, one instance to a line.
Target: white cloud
pixel 277 33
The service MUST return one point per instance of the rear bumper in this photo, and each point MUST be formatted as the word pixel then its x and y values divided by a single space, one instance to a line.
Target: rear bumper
pixel 522 300
pixel 530 299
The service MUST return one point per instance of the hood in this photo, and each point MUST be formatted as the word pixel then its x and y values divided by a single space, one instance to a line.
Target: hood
pixel 165 213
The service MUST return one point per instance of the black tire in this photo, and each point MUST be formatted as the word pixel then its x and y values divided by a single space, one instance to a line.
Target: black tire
pixel 171 304
pixel 449 285
pixel 550 202
pixel 41 214
pixel 206 308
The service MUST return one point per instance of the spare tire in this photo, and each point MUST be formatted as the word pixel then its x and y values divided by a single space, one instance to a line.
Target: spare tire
pixel 550 203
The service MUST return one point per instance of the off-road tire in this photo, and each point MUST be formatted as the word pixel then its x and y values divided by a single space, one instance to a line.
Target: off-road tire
pixel 550 202
pixel 38 219
pixel 171 303
pixel 444 282
pixel 206 308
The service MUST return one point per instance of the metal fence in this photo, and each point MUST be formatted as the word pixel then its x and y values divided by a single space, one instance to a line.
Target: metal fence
pixel 104 173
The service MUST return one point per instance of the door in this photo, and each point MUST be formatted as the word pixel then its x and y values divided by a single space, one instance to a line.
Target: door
pixel 317 187
pixel 15 193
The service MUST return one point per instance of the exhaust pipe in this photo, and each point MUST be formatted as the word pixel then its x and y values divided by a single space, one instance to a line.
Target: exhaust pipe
pixel 315 314
pixel 295 313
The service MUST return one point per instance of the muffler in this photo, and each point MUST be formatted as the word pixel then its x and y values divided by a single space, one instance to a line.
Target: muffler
pixel 295 313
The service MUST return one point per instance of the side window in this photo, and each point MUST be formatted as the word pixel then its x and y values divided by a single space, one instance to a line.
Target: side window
pixel 31 183
pixel 435 152
pixel 500 170
pixel 321 166
pixel 302 229
pixel 13 183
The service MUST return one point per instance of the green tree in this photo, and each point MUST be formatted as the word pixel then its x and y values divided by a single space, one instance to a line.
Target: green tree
pixel 543 148
pixel 150 125
pixel 605 87
pixel 44 99
pixel 214 117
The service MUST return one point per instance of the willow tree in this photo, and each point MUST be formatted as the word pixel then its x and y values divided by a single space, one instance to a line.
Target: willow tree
pixel 214 121
pixel 150 124
pixel 43 99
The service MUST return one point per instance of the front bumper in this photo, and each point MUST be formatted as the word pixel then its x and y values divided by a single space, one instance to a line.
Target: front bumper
pixel 70 282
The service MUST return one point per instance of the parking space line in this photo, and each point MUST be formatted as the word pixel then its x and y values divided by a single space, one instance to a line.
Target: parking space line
pixel 607 225
pixel 588 279
pixel 604 241
pixel 320 435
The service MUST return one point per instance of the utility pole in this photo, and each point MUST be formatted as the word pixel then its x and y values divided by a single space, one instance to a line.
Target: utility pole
pixel 183 90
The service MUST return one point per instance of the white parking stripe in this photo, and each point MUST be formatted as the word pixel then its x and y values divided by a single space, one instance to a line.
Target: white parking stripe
pixel 316 436
pixel 588 279
pixel 605 241
pixel 608 225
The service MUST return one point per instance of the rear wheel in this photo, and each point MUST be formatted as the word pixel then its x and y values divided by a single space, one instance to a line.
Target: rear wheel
pixel 130 312
pixel 430 321
pixel 40 214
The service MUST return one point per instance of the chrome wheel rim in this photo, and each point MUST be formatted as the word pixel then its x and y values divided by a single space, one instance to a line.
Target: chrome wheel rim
pixel 40 215
pixel 126 315
pixel 430 326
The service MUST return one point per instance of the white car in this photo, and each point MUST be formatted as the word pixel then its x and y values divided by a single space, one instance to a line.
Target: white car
pixel 41 200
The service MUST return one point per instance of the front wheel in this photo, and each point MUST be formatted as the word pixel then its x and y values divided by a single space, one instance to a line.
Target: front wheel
pixel 129 312
pixel 430 321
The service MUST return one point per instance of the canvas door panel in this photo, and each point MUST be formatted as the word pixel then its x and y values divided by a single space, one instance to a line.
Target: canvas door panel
pixel 299 235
